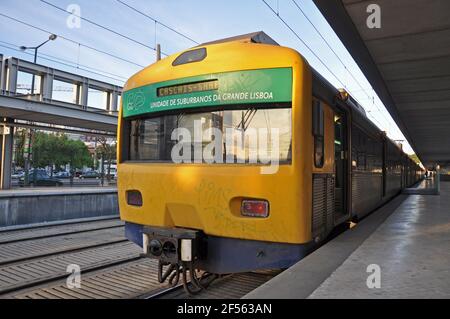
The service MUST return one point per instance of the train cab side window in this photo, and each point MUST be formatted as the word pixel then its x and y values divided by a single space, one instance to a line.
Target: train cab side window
pixel 318 133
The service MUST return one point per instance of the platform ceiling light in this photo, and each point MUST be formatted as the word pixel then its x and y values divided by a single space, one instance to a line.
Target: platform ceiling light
pixel 343 94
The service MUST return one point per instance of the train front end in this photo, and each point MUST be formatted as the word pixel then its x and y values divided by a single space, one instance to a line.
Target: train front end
pixel 213 172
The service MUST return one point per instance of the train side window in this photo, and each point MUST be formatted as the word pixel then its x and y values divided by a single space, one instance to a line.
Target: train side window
pixel 318 133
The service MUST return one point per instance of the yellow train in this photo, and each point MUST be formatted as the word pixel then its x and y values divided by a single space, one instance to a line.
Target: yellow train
pixel 236 155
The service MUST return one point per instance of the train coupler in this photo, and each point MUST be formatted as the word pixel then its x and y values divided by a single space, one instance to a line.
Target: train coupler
pixel 177 251
pixel 173 245
pixel 193 280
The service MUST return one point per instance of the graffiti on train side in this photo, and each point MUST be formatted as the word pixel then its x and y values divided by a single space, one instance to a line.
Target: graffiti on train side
pixel 209 193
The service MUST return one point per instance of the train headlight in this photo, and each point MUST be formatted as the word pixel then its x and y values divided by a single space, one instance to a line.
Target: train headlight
pixel 186 250
pixel 255 208
pixel 155 247
pixel 145 243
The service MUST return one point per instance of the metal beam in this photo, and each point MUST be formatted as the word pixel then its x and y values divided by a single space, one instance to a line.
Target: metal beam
pixel 31 67
pixel 62 129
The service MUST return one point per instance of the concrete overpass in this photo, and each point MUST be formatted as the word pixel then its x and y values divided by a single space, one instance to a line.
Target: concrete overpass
pixel 407 61
pixel 41 107
pixel 46 112
pixel 40 110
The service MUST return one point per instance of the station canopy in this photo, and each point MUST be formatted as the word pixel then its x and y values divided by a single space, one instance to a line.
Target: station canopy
pixel 407 62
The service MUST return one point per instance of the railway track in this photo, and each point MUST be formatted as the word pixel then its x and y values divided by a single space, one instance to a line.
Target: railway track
pixel 26 249
pixel 228 287
pixel 27 273
pixel 137 279
pixel 11 236
pixel 33 265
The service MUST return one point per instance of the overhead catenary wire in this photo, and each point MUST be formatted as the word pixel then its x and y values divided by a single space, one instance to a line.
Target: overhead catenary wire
pixel 329 46
pixel 340 60
pixel 70 40
pixel 101 26
pixel 77 65
pixel 303 42
pixel 311 50
pixel 374 118
pixel 62 63
pixel 157 21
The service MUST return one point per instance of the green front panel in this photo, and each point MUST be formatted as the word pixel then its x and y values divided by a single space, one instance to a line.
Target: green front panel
pixel 239 87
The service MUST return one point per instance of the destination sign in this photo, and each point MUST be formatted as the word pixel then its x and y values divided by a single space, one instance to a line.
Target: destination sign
pixel 188 88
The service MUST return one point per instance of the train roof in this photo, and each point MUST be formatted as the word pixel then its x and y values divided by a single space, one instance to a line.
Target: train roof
pixel 253 37
pixel 262 37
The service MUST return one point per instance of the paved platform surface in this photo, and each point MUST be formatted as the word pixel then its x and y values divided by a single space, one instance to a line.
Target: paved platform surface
pixel 411 246
pixel 412 249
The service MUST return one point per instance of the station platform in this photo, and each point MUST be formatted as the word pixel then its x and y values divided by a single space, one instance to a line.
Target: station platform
pixel 408 238
pixel 50 191
pixel 27 206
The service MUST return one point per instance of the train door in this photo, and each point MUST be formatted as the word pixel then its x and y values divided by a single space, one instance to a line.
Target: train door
pixel 323 177
pixel 341 155
pixel 405 172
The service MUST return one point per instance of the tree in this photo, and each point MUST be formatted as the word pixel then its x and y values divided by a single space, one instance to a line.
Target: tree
pixel 57 149
pixel 77 153
pixel 106 151
pixel 19 140
pixel 45 149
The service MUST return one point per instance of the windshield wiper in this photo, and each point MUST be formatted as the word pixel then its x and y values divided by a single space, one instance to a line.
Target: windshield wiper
pixel 247 117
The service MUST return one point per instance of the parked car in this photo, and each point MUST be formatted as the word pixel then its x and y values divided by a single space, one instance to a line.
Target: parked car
pixel 62 174
pixel 18 174
pixel 42 179
pixel 90 174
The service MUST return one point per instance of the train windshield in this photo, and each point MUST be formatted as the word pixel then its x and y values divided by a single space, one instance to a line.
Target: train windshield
pixel 247 135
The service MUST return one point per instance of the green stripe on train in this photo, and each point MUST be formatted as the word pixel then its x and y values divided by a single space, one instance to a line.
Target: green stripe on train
pixel 238 87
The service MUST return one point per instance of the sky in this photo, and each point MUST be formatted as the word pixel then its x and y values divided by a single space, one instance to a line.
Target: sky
pixel 200 20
